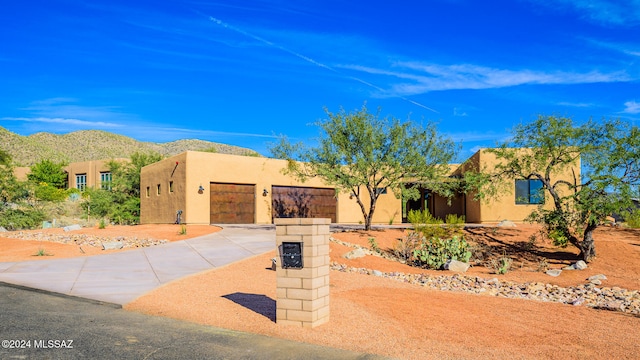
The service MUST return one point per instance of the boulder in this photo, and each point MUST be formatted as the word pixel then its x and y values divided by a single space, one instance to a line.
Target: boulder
pixel 597 277
pixel 554 272
pixel 580 265
pixel 113 245
pixel 457 266
pixel 506 223
pixel 2 229
pixel 72 227
pixel 354 254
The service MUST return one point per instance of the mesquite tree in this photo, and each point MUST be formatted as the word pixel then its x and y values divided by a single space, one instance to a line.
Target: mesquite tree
pixel 360 153
pixel 603 156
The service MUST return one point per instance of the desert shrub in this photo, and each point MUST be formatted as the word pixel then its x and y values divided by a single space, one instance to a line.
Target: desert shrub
pixel 455 224
pixel 403 248
pixel 433 253
pixel 46 192
pixel 502 265
pixel 373 244
pixel 98 203
pixel 19 219
pixel 556 225
pixel 425 224
pixel 632 219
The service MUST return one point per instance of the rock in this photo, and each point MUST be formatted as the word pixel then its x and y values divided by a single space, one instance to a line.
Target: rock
pixel 114 245
pixel 578 301
pixel 47 225
pixel 457 266
pixel 554 272
pixel 570 267
pixel 376 273
pixel 597 277
pixel 506 223
pixel 2 229
pixel 354 254
pixel 72 227
pixel 596 282
pixel 580 265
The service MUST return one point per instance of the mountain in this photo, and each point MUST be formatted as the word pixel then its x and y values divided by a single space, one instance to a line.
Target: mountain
pixel 88 145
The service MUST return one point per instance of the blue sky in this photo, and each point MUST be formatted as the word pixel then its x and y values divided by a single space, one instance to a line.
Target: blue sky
pixel 243 72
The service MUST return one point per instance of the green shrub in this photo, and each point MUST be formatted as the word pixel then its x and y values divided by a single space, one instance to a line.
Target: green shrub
pixel 433 253
pixel 418 217
pixel 502 265
pixel 632 219
pixel 558 237
pixel 373 244
pixel 453 219
pixel 47 192
pixel 19 219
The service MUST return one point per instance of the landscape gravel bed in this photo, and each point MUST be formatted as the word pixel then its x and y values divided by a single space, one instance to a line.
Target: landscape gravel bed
pixel 84 239
pixel 615 298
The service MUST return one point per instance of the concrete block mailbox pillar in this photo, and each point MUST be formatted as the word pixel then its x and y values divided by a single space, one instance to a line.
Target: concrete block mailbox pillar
pixel 302 271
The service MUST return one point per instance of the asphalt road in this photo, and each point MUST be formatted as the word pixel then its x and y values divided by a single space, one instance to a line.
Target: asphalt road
pixel 39 325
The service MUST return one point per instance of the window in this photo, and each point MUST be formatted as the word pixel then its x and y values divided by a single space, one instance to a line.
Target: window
pixel 105 180
pixel 148 191
pixel 170 186
pixel 380 191
pixel 158 189
pixel 81 181
pixel 529 191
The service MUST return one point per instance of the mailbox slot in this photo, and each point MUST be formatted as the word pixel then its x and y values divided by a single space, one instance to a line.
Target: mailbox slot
pixel 292 255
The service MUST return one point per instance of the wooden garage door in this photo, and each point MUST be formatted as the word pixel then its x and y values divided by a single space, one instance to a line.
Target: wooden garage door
pixel 293 201
pixel 232 203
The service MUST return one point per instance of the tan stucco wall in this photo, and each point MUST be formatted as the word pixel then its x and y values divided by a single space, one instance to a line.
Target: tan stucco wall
pixel 197 169
pixel 21 172
pixel 91 168
pixel 505 207
pixel 162 207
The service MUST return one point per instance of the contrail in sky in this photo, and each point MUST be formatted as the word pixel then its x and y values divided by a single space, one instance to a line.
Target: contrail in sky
pixel 310 60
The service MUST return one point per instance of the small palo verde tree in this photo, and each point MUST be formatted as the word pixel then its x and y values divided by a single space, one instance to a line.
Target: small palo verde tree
pixel 361 153
pixel 603 157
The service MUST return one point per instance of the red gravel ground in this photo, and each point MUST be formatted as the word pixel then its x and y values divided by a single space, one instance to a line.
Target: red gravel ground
pixel 377 315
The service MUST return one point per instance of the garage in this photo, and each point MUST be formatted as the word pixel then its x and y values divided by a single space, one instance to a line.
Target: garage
pixel 295 201
pixel 232 203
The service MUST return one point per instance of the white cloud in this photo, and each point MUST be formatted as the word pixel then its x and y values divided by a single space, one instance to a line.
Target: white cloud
pixel 424 77
pixel 577 105
pixel 75 122
pixel 605 12
pixel 632 107
pixel 459 112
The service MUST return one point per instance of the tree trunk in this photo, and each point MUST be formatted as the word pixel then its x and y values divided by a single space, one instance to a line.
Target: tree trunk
pixel 588 247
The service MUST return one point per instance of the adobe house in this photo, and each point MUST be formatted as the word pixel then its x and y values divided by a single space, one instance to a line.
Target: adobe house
pixel 209 188
pixel 81 175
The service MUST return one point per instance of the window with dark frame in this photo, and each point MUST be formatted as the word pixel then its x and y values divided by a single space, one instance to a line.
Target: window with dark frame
pixel 105 180
pixel 529 192
pixel 81 182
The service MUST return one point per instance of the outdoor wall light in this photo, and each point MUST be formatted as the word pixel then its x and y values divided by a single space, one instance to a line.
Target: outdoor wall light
pixel 265 192
pixel 200 189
